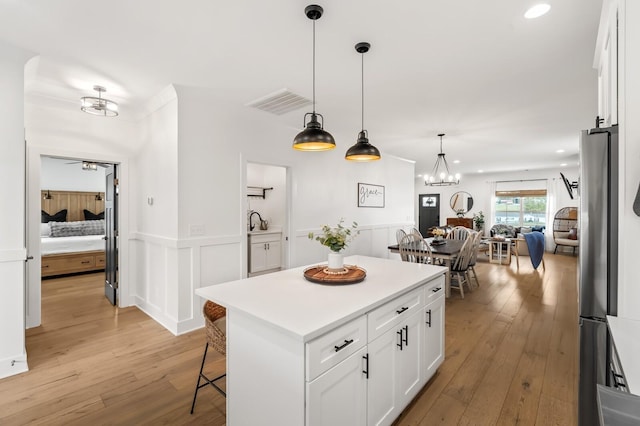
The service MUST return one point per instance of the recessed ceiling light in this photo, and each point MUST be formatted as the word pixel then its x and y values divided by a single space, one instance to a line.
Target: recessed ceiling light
pixel 560 151
pixel 419 175
pixel 537 10
pixel 456 161
pixel 480 171
pixel 563 164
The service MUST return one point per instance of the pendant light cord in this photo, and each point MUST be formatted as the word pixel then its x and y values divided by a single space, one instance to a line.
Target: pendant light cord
pixel 362 78
pixel 314 66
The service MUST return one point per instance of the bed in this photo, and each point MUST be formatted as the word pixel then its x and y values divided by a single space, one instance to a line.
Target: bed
pixel 69 242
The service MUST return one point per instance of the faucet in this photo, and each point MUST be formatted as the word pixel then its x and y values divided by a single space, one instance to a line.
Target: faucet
pixel 251 226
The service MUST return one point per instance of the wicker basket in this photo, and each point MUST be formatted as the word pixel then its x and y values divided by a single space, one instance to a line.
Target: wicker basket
pixel 215 325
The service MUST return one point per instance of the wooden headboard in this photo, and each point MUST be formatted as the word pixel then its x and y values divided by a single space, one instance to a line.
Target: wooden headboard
pixel 74 201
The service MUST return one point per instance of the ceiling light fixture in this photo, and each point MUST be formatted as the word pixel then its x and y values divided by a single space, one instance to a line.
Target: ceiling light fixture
pixel 362 150
pixel 99 105
pixel 537 10
pixel 86 165
pixel 314 137
pixel 441 176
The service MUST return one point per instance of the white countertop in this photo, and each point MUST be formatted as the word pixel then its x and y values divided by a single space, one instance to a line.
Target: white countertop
pixel 626 336
pixel 306 310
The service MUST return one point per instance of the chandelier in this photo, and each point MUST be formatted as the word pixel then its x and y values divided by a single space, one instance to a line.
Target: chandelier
pixel 99 105
pixel 441 176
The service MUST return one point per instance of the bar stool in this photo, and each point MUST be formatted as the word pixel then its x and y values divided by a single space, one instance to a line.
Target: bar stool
pixel 215 317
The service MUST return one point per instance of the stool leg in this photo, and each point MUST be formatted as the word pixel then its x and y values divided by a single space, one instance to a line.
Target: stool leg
pixel 204 357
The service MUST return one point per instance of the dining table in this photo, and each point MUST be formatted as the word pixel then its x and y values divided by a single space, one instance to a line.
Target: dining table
pixel 447 251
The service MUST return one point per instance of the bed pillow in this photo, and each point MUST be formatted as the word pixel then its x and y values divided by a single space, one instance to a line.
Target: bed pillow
pixel 45 231
pixel 74 229
pixel 92 216
pixel 573 234
pixel 61 216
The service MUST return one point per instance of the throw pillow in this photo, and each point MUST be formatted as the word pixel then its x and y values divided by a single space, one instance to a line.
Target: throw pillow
pixel 573 234
pixel 92 216
pixel 61 216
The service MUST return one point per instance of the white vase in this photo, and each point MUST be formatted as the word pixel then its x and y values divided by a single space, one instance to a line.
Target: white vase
pixel 336 261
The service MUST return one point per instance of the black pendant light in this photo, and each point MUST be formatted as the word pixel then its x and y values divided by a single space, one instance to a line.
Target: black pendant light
pixel 362 150
pixel 314 137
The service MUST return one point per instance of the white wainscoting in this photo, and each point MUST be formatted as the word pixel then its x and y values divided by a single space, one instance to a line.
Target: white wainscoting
pixel 13 356
pixel 165 273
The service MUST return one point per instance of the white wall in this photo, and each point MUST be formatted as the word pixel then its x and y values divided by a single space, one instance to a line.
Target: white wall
pixel 59 175
pixel 629 111
pixel 13 357
pixel 214 147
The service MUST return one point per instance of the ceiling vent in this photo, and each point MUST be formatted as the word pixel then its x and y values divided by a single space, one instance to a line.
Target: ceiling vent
pixel 280 102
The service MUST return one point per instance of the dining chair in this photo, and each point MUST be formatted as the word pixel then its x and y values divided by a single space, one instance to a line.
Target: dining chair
pixel 459 268
pixel 459 233
pixel 477 236
pixel 417 233
pixel 415 249
pixel 400 234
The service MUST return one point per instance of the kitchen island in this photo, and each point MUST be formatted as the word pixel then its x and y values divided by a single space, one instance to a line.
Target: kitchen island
pixel 300 353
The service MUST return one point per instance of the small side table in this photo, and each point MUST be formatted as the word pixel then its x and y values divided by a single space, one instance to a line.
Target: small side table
pixel 500 251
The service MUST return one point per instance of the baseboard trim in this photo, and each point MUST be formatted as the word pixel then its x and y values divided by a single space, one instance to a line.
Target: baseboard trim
pixel 13 365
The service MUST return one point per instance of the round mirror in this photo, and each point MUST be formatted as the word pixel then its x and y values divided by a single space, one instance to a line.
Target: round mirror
pixel 461 202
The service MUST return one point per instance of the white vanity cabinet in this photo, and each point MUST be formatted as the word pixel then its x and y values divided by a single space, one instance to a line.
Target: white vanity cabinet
pixel 300 353
pixel 265 250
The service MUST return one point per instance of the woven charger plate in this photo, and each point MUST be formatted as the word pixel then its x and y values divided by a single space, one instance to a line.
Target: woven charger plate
pixel 351 275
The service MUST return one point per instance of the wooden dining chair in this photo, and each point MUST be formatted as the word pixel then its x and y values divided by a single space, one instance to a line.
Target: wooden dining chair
pixel 477 236
pixel 460 268
pixel 400 234
pixel 417 233
pixel 415 249
pixel 459 233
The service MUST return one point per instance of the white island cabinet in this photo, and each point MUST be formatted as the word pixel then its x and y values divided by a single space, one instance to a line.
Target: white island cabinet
pixel 300 353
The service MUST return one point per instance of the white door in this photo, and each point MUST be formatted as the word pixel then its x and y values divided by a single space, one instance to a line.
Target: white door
pixel 433 337
pixel 339 396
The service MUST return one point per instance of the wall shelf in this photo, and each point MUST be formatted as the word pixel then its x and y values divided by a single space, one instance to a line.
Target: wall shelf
pixel 258 191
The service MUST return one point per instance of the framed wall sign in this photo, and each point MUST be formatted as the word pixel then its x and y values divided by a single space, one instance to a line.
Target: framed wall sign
pixel 370 195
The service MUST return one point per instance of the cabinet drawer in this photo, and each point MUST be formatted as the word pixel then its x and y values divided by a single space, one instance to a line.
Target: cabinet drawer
pixel 391 313
pixel 335 346
pixel 265 238
pixel 434 290
pixel 100 261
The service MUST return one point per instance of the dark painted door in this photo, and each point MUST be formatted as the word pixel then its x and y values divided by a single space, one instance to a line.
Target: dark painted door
pixel 429 212
pixel 111 235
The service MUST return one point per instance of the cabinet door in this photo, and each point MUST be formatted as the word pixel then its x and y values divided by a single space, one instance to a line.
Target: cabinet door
pixel 339 396
pixel 410 359
pixel 433 337
pixel 273 255
pixel 258 257
pixel 381 399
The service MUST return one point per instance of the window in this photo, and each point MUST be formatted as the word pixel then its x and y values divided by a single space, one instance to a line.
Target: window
pixel 521 208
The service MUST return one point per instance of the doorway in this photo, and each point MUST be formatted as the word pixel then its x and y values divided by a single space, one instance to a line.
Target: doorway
pixel 39 180
pixel 428 212
pixel 267 211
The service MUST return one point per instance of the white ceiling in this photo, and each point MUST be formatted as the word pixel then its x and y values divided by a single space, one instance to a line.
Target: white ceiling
pixel 508 92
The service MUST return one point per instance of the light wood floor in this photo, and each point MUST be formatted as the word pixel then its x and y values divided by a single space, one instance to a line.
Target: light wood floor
pixel 511 358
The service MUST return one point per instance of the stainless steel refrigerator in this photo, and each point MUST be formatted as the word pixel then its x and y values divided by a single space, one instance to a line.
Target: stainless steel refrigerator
pixel 598 260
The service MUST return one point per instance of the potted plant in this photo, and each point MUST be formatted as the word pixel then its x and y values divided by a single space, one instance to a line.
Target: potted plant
pixel 478 220
pixel 336 238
